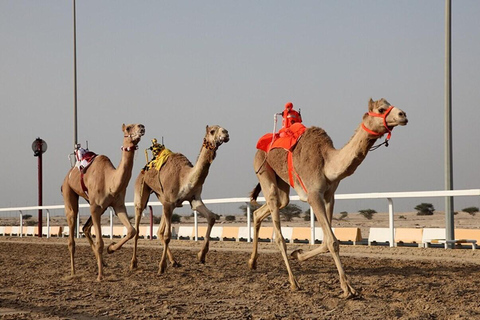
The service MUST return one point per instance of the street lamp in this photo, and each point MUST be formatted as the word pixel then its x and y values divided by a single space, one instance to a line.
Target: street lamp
pixel 39 147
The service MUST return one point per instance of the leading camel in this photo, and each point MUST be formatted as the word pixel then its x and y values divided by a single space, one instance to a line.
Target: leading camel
pixel 320 168
pixel 178 181
pixel 104 186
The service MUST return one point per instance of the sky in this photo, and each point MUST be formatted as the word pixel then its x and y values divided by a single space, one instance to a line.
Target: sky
pixel 177 66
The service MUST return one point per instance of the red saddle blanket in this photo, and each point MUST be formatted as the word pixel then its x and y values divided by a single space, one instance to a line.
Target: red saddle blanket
pixel 286 138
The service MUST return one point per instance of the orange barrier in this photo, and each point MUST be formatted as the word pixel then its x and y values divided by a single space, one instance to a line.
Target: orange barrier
pixel 230 233
pixel 408 235
pixel 348 234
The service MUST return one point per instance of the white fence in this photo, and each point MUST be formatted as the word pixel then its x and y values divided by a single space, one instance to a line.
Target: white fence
pixel 389 196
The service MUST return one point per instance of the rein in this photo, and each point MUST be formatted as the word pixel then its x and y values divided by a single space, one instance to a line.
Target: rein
pixel 379 134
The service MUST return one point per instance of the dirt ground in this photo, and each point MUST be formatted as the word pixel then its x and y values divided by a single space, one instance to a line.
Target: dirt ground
pixel 395 283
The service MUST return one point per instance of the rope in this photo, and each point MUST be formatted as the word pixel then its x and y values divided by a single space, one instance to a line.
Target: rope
pixel 379 145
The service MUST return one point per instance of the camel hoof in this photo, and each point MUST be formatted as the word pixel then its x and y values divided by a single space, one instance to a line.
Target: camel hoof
pixel 201 257
pixel 353 294
pixel 295 287
pixel 109 248
pixel 252 264
pixel 176 264
pixel 133 265
pixel 294 255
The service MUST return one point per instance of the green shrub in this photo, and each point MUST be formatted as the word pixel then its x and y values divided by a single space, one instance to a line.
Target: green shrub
pixel 229 218
pixel 367 213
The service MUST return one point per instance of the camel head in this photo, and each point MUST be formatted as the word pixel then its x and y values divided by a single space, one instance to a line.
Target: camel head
pixel 215 136
pixel 382 117
pixel 132 133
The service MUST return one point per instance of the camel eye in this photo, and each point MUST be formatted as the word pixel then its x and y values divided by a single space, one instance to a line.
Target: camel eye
pixel 212 132
pixel 381 110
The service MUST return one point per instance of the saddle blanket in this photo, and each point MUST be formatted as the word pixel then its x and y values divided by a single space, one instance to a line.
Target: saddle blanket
pixel 159 160
pixel 286 138
pixel 85 158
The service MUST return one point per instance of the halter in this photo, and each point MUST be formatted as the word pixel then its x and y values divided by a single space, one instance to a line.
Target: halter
pixel 379 134
pixel 132 148
pixel 209 145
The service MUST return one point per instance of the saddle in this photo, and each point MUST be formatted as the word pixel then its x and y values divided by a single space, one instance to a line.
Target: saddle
pixel 286 138
pixel 82 164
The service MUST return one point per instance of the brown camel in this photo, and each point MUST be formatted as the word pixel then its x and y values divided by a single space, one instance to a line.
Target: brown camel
pixel 320 167
pixel 106 187
pixel 176 182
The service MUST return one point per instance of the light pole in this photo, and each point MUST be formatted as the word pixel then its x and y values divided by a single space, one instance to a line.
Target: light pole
pixel 39 147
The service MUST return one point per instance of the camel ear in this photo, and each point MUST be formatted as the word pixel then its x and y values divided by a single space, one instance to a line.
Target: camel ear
pixel 123 127
pixel 370 104
pixel 206 129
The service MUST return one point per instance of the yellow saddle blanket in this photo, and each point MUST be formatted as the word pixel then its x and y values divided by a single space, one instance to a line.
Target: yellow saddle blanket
pixel 159 160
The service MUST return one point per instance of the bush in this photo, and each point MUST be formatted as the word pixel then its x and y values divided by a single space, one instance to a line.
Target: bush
pixel 156 220
pixel 367 213
pixel 425 209
pixel 290 211
pixel 176 218
pixel 471 210
pixel 26 216
pixel 229 218
pixel 343 215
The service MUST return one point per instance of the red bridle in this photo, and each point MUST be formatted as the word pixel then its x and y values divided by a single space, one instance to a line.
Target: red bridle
pixel 384 117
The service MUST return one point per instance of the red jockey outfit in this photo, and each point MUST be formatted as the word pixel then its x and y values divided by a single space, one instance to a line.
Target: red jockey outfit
pixel 290 116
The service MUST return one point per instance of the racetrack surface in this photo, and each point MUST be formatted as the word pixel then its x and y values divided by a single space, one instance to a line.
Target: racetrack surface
pixel 395 283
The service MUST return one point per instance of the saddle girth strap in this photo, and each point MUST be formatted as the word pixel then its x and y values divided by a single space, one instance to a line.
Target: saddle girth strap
pixel 82 183
pixel 291 172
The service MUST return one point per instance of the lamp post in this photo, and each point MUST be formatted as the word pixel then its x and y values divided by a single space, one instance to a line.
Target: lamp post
pixel 39 147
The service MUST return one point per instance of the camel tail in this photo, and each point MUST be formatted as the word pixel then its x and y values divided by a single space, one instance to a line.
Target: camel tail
pixel 254 194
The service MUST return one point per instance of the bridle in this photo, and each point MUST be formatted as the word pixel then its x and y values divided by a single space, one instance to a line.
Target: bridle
pixel 379 134
pixel 128 149
pixel 132 148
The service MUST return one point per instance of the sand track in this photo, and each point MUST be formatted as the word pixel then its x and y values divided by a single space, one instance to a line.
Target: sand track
pixel 396 283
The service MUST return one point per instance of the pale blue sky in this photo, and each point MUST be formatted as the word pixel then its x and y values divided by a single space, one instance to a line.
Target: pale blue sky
pixel 176 66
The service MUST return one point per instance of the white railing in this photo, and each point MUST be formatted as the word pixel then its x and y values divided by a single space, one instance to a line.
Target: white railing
pixel 389 196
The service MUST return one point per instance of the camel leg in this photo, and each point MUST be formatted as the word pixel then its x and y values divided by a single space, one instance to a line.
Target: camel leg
pixel 331 242
pixel 87 231
pixel 299 254
pixel 258 216
pixel 167 235
pixel 161 236
pixel 71 212
pixel 199 206
pixel 96 213
pixel 121 212
pixel 283 248
pixel 140 200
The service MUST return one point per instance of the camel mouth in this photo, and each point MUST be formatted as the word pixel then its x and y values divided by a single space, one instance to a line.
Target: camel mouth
pixel 224 139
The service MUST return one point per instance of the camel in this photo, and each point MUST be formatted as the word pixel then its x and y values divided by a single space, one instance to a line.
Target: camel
pixel 176 182
pixel 319 169
pixel 104 186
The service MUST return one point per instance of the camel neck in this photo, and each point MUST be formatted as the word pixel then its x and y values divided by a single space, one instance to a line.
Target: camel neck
pixel 346 160
pixel 205 159
pixel 124 171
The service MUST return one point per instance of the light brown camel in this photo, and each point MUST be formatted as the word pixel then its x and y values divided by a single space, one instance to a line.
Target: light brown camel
pixel 176 182
pixel 106 187
pixel 320 167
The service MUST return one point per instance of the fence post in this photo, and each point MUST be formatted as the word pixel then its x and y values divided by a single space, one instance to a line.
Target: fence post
pixel 111 224
pixel 151 222
pixel 391 223
pixel 48 223
pixel 195 219
pixel 21 224
pixel 312 226
pixel 249 221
